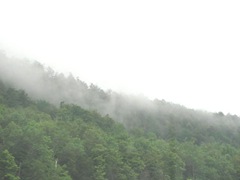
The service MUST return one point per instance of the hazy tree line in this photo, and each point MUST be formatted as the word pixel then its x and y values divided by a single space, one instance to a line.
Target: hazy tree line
pixel 66 129
pixel 157 116
pixel 41 141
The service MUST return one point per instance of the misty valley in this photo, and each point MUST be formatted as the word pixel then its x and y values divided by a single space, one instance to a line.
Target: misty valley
pixel 57 127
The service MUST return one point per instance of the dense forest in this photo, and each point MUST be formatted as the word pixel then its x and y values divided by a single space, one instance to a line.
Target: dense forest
pixel 58 127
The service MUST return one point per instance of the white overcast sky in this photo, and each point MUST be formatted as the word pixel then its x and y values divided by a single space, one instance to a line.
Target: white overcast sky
pixel 186 52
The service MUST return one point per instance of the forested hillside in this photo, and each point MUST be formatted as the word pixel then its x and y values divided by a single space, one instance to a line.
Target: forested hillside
pixel 57 127
pixel 41 141
pixel 158 116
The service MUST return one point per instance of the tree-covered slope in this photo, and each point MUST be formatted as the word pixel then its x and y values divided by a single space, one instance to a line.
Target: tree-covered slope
pixel 41 141
pixel 58 127
pixel 162 118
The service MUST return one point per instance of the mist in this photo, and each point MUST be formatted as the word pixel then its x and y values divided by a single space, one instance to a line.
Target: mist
pixel 43 83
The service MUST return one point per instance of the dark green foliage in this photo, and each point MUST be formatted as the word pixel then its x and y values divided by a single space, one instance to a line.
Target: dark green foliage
pixel 46 107
pixel 41 141
pixel 15 98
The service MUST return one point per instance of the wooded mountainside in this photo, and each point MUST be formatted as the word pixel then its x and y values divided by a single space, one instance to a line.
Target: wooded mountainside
pixel 57 127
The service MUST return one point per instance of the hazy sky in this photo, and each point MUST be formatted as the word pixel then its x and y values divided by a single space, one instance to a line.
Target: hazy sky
pixel 186 52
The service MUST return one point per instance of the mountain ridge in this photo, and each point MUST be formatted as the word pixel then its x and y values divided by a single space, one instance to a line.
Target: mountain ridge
pixel 43 83
pixel 65 129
